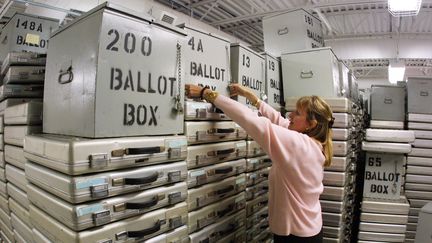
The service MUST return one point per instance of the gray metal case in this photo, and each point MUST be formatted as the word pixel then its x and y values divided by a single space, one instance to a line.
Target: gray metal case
pixel 215 212
pixel 255 177
pixel 21 212
pixel 236 236
pixel 3 199
pixel 201 111
pixel 335 219
pixel 210 193
pixel 21 228
pixel 25 75
pixel 5 218
pixel 256 204
pixel 332 178
pixel 336 193
pixel 202 70
pixel 247 69
pixel 417 203
pixel 15 101
pixel 2 161
pixel 18 195
pixel 3 190
pixel 342 164
pixel 133 229
pixel 75 156
pixel 381 237
pixel 14 155
pixel 384 218
pixel 2 175
pixel 419 186
pixel 342 134
pixel 208 154
pixel 179 235
pixel 22 59
pixel 412 194
pixel 335 232
pixel 29 113
pixel 338 105
pixel 416 117
pixel 257 217
pixel 15 134
pixel 125 90
pixel 337 206
pixel 217 172
pixel 387 103
pixel 254 149
pixel 219 230
pixel 422 143
pixel 343 120
pixel 257 230
pixel 96 213
pixel 422 134
pixel 387 135
pixel 418 161
pixel 256 190
pixel 396 148
pixel 395 207
pixel 387 124
pixel 77 189
pixel 208 132
pixel 342 148
pixel 419 95
pixel 257 163
pixel 21 91
pixel 7 231
pixel 421 152
pixel 420 170
pixel 16 176
pixel 419 126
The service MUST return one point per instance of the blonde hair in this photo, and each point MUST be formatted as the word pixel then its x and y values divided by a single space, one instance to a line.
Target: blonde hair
pixel 317 109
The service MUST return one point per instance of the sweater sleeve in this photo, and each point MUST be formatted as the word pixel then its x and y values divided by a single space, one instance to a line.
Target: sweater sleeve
pixel 273 115
pixel 266 134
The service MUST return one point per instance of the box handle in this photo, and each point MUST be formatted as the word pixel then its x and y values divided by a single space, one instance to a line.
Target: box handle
pixel 283 31
pixel 69 76
pixel 224 170
pixel 227 210
pixel 225 190
pixel 148 231
pixel 134 151
pixel 308 74
pixel 221 152
pixel 424 93
pixel 142 205
pixel 222 130
pixel 142 180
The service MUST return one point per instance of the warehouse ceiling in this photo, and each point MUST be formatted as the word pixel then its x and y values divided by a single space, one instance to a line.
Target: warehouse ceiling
pixel 341 20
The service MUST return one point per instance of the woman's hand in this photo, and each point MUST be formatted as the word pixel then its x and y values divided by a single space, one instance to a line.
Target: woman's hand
pixel 237 89
pixel 193 91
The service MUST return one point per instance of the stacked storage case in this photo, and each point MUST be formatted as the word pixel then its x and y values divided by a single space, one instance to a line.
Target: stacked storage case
pixel 216 147
pixel 6 230
pixel 105 187
pixel 384 207
pixel 22 73
pixel 418 184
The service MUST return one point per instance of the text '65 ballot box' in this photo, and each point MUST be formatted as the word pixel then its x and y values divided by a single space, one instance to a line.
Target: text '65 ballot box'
pixel 114 73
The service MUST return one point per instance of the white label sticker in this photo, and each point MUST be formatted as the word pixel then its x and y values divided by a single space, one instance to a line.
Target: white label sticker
pixel 177 143
pixel 240 180
pixel 197 173
pixel 89 182
pixel 89 209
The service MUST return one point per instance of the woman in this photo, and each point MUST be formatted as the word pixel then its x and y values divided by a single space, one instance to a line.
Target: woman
pixel 299 147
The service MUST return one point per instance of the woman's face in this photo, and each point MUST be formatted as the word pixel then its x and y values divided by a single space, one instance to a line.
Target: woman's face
pixel 298 121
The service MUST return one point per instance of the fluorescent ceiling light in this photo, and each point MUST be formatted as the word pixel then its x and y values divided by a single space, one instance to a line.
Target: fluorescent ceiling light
pixel 396 72
pixel 402 8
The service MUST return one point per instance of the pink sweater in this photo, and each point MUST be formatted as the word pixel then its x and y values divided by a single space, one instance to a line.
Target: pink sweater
pixel 295 181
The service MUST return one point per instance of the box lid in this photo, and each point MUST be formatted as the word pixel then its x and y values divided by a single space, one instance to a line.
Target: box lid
pixel 186 26
pixel 124 11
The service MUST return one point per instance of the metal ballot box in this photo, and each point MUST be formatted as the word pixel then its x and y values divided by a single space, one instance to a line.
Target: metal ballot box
pixel 133 229
pixel 387 103
pixel 419 95
pixel 247 69
pixel 207 60
pixel 273 81
pixel 75 156
pixel 112 83
pixel 26 32
pixel 311 72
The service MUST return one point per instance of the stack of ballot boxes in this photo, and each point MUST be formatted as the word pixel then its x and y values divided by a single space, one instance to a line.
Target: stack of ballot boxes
pixel 216 161
pixel 418 184
pixel 338 199
pixel 88 183
pixel 384 208
pixel 21 104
